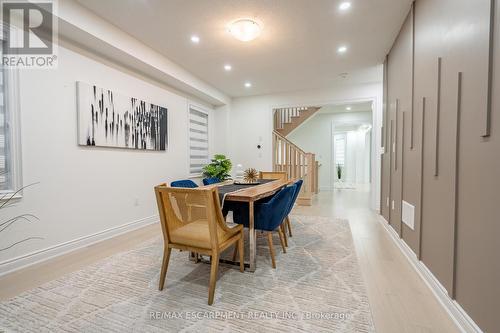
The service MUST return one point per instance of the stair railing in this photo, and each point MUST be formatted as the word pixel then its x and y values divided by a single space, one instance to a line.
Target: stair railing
pixel 297 164
pixel 284 116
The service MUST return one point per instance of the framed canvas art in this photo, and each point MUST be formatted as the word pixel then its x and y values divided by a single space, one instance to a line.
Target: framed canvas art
pixel 108 119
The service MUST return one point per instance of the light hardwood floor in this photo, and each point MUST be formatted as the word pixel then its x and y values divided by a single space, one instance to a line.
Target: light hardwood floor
pixel 400 301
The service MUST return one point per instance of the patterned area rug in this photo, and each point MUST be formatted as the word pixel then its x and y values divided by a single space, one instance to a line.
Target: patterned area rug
pixel 317 287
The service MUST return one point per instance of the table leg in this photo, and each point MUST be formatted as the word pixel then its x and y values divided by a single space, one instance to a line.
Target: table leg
pixel 253 237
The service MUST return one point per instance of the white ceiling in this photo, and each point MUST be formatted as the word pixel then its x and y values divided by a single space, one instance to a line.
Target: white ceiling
pixel 296 50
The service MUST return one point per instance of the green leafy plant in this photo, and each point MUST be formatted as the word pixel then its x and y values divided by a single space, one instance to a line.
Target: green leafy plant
pixel 339 171
pixel 219 168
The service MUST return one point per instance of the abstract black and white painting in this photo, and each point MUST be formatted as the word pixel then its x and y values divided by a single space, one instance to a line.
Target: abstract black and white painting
pixel 107 119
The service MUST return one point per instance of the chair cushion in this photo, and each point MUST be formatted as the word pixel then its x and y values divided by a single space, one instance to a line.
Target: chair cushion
pixel 196 234
pixel 210 181
pixel 187 183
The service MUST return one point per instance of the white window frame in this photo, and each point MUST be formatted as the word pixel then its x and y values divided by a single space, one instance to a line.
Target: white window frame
pixel 13 130
pixel 201 109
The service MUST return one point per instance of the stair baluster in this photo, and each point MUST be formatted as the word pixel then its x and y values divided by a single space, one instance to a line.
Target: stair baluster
pixel 297 164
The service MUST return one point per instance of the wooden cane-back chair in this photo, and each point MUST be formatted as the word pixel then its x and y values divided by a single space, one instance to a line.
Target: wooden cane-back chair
pixel 281 175
pixel 191 220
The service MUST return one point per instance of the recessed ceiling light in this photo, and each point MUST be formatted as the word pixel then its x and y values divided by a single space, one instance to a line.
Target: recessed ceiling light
pixel 348 108
pixel 345 5
pixel 195 39
pixel 342 49
pixel 248 84
pixel 228 67
pixel 245 29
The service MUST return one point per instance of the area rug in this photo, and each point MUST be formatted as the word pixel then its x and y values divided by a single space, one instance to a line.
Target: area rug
pixel 316 287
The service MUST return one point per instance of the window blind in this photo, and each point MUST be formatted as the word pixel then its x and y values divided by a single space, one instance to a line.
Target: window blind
pixel 340 149
pixel 198 141
pixel 3 133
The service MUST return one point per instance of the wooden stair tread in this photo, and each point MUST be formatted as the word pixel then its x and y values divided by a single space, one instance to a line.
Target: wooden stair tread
pixel 285 122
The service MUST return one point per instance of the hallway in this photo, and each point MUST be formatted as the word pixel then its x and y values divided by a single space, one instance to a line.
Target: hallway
pixel 399 299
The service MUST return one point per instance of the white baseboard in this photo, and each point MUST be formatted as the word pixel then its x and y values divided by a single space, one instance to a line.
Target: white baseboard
pixel 461 319
pixel 14 264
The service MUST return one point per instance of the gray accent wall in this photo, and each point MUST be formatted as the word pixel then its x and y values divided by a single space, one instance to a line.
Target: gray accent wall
pixel 442 112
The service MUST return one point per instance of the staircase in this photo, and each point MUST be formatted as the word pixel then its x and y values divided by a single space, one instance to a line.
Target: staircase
pixel 287 157
pixel 288 119
pixel 298 165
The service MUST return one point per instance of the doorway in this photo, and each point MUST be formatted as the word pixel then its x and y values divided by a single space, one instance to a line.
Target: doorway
pixel 317 136
pixel 351 156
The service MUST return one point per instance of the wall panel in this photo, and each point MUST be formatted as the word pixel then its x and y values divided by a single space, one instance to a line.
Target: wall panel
pixel 478 212
pixel 386 156
pixel 399 96
pixel 410 155
pixel 451 174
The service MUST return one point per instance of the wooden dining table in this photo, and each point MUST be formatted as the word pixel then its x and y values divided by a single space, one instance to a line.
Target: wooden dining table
pixel 250 194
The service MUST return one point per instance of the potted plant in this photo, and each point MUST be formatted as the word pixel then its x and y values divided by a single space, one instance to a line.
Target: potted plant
pixel 219 168
pixel 339 172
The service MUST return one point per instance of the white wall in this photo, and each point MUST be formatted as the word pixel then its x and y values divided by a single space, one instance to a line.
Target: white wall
pixel 84 191
pixel 251 122
pixel 316 136
pixel 220 129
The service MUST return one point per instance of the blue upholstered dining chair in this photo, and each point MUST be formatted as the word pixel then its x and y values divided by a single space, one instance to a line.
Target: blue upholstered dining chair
pixel 287 223
pixel 187 183
pixel 210 181
pixel 268 216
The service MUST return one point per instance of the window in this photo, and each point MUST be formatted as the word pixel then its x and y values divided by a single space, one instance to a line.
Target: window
pixel 10 179
pixel 198 141
pixel 340 149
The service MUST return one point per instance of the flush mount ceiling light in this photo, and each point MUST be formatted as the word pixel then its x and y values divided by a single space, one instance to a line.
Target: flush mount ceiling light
pixel 344 6
pixel 228 67
pixel 348 108
pixel 342 49
pixel 245 29
pixel 195 39
pixel 248 84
